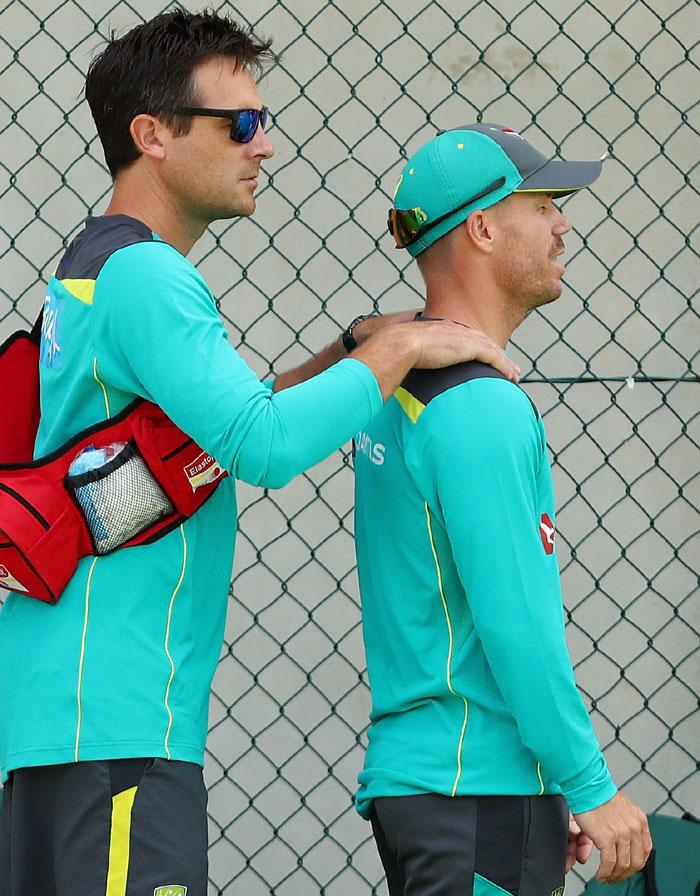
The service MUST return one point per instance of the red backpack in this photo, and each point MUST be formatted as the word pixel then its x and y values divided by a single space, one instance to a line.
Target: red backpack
pixel 155 478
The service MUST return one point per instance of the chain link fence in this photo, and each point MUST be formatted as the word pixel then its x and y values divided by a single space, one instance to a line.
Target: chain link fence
pixel 610 365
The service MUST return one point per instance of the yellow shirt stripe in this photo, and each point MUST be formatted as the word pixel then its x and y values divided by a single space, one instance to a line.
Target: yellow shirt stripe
pixel 449 655
pixel 167 640
pixel 82 659
pixel 409 403
pixel 82 290
pixel 104 388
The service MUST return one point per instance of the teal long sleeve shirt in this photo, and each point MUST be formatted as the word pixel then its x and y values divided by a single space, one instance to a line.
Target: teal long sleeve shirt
pixel 472 686
pixel 122 665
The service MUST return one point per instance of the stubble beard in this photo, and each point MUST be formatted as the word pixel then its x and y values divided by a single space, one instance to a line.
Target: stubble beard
pixel 530 289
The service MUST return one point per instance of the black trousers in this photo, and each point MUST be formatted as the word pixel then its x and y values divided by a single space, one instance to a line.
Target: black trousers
pixel 432 845
pixel 123 827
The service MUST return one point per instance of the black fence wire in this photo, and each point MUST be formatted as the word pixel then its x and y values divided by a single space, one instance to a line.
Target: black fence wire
pixel 611 365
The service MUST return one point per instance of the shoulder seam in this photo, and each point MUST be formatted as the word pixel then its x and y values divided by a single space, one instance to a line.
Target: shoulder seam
pixel 120 249
pixel 426 400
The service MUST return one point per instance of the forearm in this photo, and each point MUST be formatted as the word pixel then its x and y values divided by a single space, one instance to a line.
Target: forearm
pixel 336 351
pixel 299 427
pixel 330 355
pixel 530 663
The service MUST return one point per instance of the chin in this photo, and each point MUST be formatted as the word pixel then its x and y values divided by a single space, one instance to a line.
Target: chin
pixel 245 207
pixel 240 210
pixel 546 296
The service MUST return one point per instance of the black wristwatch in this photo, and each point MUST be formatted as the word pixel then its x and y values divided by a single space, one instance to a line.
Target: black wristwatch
pixel 349 340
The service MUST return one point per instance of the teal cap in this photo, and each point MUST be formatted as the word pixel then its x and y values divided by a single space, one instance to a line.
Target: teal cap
pixel 483 161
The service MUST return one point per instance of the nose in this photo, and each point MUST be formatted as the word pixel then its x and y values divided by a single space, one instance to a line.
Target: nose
pixel 260 145
pixel 561 225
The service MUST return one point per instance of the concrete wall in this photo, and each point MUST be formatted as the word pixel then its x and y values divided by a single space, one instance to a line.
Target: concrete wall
pixel 359 85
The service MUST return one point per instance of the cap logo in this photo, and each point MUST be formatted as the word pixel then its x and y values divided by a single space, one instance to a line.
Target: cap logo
pixel 421 216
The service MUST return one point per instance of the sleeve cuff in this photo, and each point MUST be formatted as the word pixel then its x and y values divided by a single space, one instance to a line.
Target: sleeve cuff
pixel 590 788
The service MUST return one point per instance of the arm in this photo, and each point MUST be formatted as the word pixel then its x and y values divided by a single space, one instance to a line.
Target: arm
pixel 486 430
pixel 492 513
pixel 335 352
pixel 390 345
pixel 156 333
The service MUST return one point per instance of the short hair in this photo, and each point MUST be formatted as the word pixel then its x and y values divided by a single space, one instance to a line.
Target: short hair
pixel 150 70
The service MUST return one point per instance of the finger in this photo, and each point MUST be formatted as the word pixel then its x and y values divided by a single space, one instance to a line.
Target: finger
pixel 638 854
pixel 473 345
pixel 482 349
pixel 624 876
pixel 638 858
pixel 622 864
pixel 608 860
pixel 497 359
pixel 646 839
pixel 584 848
pixel 486 340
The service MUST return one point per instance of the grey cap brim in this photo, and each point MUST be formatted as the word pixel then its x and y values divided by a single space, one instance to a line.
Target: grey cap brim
pixel 561 177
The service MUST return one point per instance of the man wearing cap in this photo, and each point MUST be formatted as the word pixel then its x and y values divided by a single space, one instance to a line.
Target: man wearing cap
pixel 479 744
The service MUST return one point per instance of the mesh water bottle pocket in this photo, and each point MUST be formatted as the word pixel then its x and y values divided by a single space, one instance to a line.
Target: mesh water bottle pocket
pixel 119 499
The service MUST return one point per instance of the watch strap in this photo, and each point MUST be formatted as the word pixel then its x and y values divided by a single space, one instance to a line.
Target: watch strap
pixel 349 340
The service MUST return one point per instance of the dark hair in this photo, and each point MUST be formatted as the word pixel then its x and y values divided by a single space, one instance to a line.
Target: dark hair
pixel 149 70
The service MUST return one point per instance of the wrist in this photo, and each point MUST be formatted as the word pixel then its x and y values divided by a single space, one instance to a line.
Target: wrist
pixel 411 338
pixel 352 336
pixel 366 328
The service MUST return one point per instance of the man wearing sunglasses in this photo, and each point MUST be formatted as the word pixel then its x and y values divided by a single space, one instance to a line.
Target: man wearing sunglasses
pixel 479 743
pixel 103 697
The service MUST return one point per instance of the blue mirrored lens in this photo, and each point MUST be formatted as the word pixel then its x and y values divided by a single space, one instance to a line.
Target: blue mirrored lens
pixel 247 124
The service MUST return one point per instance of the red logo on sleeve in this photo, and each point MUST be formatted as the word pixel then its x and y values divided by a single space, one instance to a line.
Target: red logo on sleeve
pixel 547 533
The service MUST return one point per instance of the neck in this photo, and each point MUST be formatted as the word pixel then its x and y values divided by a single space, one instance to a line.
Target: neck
pixel 474 305
pixel 146 199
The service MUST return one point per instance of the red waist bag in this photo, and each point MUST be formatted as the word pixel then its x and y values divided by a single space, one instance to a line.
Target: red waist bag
pixel 49 519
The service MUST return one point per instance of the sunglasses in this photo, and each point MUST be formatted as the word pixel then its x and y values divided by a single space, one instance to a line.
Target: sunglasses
pixel 406 225
pixel 244 122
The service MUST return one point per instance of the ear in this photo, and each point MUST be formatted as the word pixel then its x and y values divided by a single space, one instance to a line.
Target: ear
pixel 479 227
pixel 146 132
